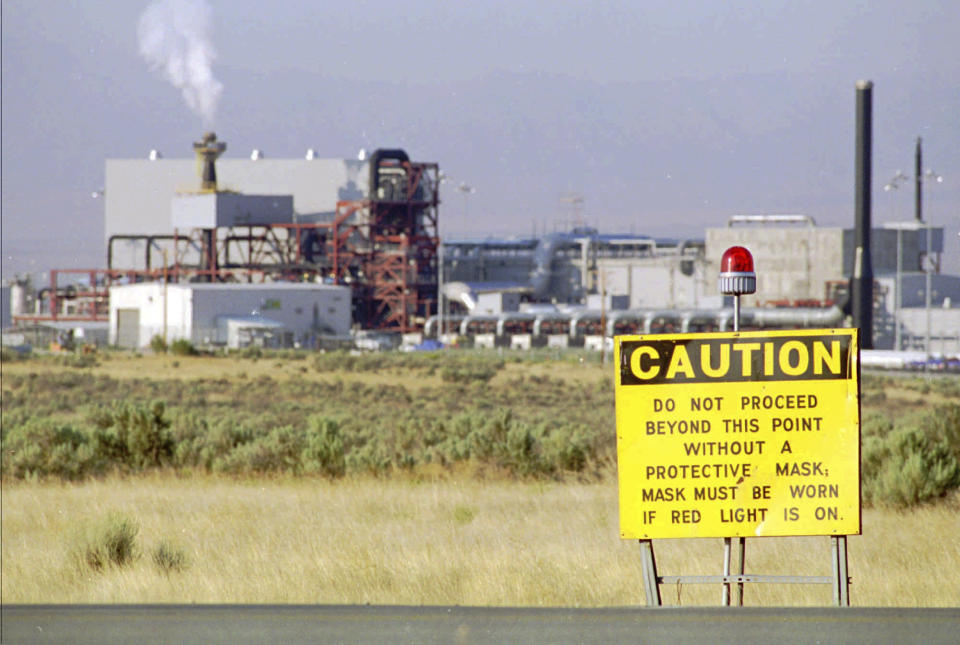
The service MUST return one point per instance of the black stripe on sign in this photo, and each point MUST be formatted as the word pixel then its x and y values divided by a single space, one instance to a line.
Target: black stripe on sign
pixel 716 360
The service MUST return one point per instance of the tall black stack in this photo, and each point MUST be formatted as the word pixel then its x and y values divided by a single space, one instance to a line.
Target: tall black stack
pixel 861 286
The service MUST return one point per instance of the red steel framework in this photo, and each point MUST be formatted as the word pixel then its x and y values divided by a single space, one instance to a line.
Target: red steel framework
pixel 384 248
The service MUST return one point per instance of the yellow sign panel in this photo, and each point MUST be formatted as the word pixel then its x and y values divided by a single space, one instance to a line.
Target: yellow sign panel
pixel 739 434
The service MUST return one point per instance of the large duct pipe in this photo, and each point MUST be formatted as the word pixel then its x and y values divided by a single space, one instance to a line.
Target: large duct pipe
pixel 375 158
pixel 861 287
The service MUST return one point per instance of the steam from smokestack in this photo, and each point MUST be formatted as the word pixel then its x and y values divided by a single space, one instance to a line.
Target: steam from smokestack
pixel 174 38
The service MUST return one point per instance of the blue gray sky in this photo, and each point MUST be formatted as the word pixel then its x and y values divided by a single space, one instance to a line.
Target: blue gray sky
pixel 665 116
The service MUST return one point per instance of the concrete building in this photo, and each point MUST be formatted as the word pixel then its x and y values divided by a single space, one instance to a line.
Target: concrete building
pixel 794 259
pixel 138 192
pixel 798 262
pixel 234 315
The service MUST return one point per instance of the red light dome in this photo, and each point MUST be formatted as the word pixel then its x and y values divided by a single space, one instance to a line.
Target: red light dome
pixel 736 272
pixel 736 259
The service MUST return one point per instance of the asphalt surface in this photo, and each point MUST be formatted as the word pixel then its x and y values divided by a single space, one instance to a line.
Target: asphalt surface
pixel 282 625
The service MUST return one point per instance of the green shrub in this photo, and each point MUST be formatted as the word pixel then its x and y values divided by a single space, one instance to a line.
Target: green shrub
pixel 182 347
pixel 136 436
pixel 467 373
pixel 948 387
pixel 522 453
pixel 914 461
pixel 567 449
pixel 943 422
pixel 277 452
pixel 158 344
pixel 463 514
pixel 78 360
pixel 111 541
pixel 9 354
pixel 169 558
pixel 252 352
pixel 324 452
pixel 45 448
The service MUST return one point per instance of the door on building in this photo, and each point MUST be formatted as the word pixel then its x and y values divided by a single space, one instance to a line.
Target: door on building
pixel 128 328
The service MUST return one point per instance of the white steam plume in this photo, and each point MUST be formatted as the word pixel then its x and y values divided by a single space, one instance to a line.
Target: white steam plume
pixel 174 37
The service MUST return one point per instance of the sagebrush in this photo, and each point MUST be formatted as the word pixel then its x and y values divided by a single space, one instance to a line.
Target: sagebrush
pixel 74 424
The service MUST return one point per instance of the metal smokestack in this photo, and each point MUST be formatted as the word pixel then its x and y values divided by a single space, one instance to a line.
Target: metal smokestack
pixel 208 149
pixel 861 288
pixel 918 181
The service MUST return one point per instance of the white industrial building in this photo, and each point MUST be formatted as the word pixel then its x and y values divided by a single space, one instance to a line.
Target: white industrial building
pixel 231 315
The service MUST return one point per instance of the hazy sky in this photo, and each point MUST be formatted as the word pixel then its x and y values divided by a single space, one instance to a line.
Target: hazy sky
pixel 666 117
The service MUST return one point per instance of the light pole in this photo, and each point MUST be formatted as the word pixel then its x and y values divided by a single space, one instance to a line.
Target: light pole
pixel 928 264
pixel 928 252
pixel 892 185
pixel 467 190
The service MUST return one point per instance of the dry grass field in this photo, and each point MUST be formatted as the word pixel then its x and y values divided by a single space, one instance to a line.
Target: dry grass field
pixel 456 540
pixel 461 535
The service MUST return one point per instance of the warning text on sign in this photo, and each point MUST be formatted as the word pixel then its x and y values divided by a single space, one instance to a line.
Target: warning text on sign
pixel 738 434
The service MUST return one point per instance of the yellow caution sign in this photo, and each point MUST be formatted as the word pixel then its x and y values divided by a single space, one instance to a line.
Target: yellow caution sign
pixel 739 434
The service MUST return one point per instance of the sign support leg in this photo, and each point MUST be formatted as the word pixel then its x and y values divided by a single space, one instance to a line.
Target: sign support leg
pixel 841 578
pixel 725 599
pixel 725 591
pixel 648 564
pixel 741 559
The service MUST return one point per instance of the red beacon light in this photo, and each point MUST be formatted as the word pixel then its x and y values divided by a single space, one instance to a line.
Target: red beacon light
pixel 736 272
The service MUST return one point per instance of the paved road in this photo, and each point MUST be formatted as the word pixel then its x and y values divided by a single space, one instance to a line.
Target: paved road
pixel 283 625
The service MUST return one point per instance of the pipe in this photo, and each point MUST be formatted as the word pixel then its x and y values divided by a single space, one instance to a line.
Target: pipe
pixel 698 315
pixel 149 240
pixel 652 315
pixel 430 328
pixel 797 317
pixel 770 219
pixel 861 287
pixel 583 315
pixel 375 159
pixel 547 317
pixel 542 263
pixel 465 323
pixel 512 317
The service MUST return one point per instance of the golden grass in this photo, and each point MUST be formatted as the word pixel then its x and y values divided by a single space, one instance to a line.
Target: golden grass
pixel 165 367
pixel 458 541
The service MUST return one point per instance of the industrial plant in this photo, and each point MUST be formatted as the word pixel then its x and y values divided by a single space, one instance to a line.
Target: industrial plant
pixel 313 252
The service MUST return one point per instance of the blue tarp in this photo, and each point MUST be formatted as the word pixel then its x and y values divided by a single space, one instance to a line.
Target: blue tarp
pixel 429 345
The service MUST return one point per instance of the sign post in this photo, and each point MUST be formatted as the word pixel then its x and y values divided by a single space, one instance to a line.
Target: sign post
pixel 736 278
pixel 736 434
